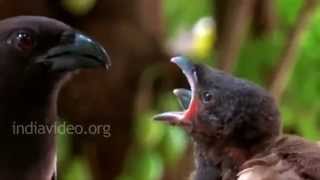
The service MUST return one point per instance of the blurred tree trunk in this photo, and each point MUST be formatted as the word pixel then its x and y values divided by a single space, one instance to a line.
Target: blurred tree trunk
pixel 264 17
pixel 233 18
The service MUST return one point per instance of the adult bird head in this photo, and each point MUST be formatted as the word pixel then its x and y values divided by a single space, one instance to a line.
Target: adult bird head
pixel 36 55
pixel 38 49
pixel 220 107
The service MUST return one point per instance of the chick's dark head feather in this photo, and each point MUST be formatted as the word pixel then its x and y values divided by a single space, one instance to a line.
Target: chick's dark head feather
pixel 220 107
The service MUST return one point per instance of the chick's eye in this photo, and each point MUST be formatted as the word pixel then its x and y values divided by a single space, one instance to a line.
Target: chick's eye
pixel 207 97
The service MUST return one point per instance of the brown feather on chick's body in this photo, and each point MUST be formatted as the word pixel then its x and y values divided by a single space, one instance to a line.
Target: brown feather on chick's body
pixel 235 126
pixel 289 158
pixel 37 55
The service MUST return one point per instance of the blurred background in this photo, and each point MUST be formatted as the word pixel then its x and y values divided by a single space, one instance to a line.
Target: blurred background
pixel 275 43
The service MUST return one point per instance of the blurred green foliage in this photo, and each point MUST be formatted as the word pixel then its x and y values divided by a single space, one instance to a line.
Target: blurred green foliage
pixel 299 107
pixel 75 168
pixel 155 146
pixel 148 134
pixel 181 14
pixel 78 170
pixel 78 7
pixel 143 164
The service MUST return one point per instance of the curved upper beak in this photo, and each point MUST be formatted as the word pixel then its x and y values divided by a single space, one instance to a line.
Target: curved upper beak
pixel 186 97
pixel 78 52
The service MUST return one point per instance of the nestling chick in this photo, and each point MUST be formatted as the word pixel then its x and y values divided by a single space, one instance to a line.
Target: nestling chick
pixel 235 126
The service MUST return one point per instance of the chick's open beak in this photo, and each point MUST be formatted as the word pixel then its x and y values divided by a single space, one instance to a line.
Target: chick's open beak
pixel 186 97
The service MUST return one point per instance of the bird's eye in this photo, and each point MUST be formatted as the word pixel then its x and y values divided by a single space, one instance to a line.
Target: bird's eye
pixel 207 97
pixel 22 40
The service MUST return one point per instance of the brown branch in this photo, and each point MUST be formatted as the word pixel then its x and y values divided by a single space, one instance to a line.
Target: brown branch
pixel 264 18
pixel 233 18
pixel 287 61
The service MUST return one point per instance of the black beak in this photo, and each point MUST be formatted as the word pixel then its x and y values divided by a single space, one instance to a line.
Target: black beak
pixel 188 69
pixel 78 52
pixel 186 97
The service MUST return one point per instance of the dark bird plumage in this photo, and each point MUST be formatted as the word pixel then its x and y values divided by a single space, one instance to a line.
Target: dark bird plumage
pixel 236 129
pixel 37 55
